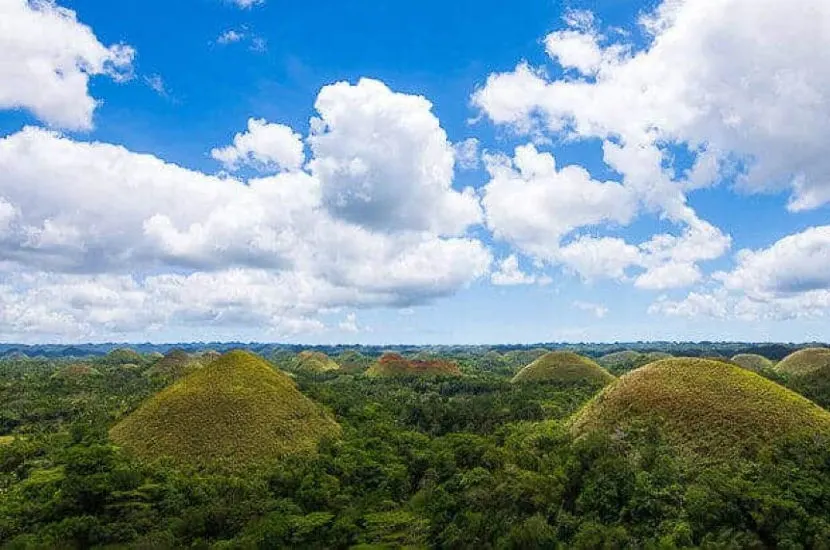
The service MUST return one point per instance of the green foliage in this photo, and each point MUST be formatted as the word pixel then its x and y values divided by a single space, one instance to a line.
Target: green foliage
pixel 467 461
pixel 565 367
pixel 234 412
pixel 620 362
pixel 173 366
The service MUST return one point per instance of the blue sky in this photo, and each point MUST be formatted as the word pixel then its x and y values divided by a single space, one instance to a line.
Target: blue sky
pixel 369 235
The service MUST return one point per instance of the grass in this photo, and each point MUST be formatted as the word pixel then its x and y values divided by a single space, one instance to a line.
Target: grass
pixel 120 356
pixel 315 362
pixel 752 361
pixel 394 364
pixel 175 364
pixel 6 440
pixel 235 412
pixel 563 366
pixel 804 361
pixel 709 408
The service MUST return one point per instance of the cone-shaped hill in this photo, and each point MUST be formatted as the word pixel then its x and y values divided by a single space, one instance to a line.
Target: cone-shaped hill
pixel 563 366
pixel 752 361
pixel 314 362
pixel 234 412
pixel 175 364
pixel 352 361
pixel 804 361
pixel 76 371
pixel 122 356
pixel 394 364
pixel 708 408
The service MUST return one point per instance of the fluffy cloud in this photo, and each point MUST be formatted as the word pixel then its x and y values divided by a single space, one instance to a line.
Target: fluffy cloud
pixel 597 310
pixel 509 273
pixel 230 36
pixel 536 207
pixel 46 60
pixel 712 97
pixel 111 240
pixel 531 204
pixel 265 146
pixel 384 161
pixel 789 279
pixel 713 78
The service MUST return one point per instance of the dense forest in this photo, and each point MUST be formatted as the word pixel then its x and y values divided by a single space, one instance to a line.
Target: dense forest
pixel 468 460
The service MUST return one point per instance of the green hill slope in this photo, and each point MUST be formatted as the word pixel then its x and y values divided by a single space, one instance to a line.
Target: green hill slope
pixel 175 364
pixel 314 362
pixel 563 366
pixel 752 361
pixel 394 364
pixel 706 407
pixel 235 412
pixel 352 361
pixel 804 361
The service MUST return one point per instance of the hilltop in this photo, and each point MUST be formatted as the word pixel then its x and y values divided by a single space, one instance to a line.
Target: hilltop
pixel 175 364
pixel 352 361
pixel 752 361
pixel 706 407
pixel 76 371
pixel 314 362
pixel 394 364
pixel 804 361
pixel 563 366
pixel 235 412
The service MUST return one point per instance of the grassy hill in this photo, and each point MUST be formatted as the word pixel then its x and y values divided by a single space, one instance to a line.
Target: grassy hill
pixel 76 371
pixel 804 361
pixel 563 366
pixel 752 361
pixel 353 361
pixel 394 364
pixel 175 364
pixel 235 412
pixel 121 356
pixel 314 362
pixel 709 408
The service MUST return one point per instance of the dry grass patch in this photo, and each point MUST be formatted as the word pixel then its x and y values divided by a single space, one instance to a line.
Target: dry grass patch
pixel 315 362
pixel 707 407
pixel 752 361
pixel 233 413
pixel 804 361
pixel 563 366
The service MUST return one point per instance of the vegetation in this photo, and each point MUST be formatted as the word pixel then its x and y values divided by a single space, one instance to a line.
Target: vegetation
pixel 234 412
pixel 314 362
pixel 804 361
pixel 563 367
pixel 753 362
pixel 470 461
pixel 621 362
pixel 173 365
pixel 352 361
pixel 707 407
pixel 394 364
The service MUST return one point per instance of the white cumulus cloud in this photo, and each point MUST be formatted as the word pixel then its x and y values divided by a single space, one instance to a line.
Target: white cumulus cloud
pixel 46 60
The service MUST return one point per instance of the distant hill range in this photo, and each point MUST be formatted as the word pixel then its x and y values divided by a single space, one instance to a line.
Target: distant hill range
pixel 773 351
